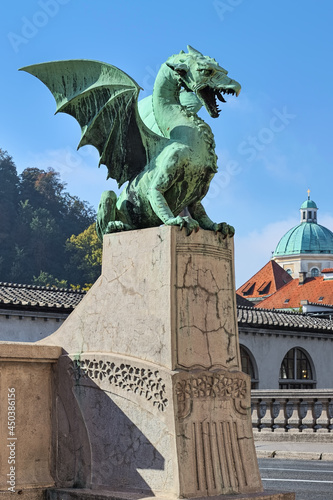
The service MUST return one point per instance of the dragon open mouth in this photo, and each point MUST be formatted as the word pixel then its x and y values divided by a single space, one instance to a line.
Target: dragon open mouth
pixel 209 97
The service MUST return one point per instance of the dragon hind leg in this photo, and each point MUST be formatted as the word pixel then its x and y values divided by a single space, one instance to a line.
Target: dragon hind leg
pixel 106 216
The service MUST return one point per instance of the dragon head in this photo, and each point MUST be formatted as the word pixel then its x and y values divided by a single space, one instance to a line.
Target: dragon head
pixel 203 76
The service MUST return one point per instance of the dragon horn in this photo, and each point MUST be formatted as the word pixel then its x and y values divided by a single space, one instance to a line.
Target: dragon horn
pixel 193 51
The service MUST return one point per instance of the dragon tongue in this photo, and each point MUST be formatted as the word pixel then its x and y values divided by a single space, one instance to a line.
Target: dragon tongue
pixel 220 96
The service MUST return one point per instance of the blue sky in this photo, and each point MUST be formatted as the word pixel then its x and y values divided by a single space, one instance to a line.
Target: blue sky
pixel 273 142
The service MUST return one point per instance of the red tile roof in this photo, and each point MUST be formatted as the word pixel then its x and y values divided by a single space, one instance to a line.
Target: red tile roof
pixel 311 290
pixel 327 270
pixel 268 280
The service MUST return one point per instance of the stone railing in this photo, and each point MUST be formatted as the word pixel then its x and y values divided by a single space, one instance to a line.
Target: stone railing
pixel 292 411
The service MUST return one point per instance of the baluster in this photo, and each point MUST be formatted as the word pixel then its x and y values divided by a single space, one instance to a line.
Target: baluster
pixel 302 412
pixel 275 410
pixel 329 415
pixel 254 413
pixel 288 412
pixel 319 416
pixel 293 420
pixel 309 420
pixel 280 418
pixel 262 408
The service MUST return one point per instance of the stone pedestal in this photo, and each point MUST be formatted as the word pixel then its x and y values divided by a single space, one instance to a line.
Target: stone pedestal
pixel 25 418
pixel 150 398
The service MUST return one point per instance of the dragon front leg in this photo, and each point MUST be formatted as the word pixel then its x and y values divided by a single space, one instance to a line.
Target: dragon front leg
pixel 169 165
pixel 161 208
pixel 198 212
pixel 106 216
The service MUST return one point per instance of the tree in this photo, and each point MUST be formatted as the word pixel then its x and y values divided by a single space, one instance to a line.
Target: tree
pixel 37 216
pixel 85 259
pixel 48 217
pixel 44 189
pixel 9 195
pixel 45 279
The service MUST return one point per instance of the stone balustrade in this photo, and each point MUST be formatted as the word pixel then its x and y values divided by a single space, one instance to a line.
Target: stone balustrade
pixel 292 411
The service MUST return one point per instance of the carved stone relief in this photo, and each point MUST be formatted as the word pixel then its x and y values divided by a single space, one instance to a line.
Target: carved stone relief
pixel 141 381
pixel 210 385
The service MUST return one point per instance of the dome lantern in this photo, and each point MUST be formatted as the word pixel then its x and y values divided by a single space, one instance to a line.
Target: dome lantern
pixel 309 210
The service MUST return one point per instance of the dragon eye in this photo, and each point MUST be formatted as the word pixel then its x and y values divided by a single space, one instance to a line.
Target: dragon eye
pixel 206 72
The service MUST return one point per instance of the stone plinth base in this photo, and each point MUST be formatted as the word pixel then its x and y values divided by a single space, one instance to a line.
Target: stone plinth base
pixel 81 494
pixel 150 396
pixel 25 417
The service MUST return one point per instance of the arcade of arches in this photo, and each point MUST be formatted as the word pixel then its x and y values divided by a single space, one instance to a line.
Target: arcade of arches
pixel 296 370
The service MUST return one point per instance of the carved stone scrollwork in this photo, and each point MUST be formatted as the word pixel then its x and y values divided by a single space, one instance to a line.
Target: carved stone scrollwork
pixel 141 381
pixel 214 385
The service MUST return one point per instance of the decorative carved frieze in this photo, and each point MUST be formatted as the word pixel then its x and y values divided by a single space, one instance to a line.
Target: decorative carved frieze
pixel 220 252
pixel 210 385
pixel 141 381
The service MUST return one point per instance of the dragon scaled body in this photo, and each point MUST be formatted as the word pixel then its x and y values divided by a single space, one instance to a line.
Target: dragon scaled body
pixel 162 148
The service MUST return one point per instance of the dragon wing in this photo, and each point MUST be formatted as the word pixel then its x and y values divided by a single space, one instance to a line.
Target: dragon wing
pixel 103 99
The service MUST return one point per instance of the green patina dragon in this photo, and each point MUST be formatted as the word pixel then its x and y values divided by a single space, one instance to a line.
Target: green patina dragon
pixel 160 145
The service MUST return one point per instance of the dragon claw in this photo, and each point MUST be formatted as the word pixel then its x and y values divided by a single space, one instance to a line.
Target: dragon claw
pixel 117 226
pixel 187 222
pixel 191 225
pixel 224 229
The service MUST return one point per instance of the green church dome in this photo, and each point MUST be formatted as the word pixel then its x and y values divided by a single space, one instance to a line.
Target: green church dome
pixel 307 237
pixel 309 204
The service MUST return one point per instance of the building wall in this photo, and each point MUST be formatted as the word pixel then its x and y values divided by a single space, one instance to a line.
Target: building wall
pixel 269 347
pixel 304 263
pixel 19 326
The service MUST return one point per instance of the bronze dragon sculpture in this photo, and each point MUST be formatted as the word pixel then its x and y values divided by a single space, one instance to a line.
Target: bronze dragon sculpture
pixel 162 148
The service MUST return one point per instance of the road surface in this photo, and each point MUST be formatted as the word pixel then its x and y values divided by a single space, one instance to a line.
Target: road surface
pixel 311 480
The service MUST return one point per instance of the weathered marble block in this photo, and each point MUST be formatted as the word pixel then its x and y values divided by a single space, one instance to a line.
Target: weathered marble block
pixel 162 297
pixel 26 417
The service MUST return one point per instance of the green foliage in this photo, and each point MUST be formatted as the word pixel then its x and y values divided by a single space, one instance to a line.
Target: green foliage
pixel 46 279
pixel 9 195
pixel 85 252
pixel 37 217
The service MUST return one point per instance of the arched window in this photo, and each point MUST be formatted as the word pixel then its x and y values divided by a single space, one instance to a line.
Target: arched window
pixel 289 271
pixel 249 366
pixel 296 371
pixel 314 272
